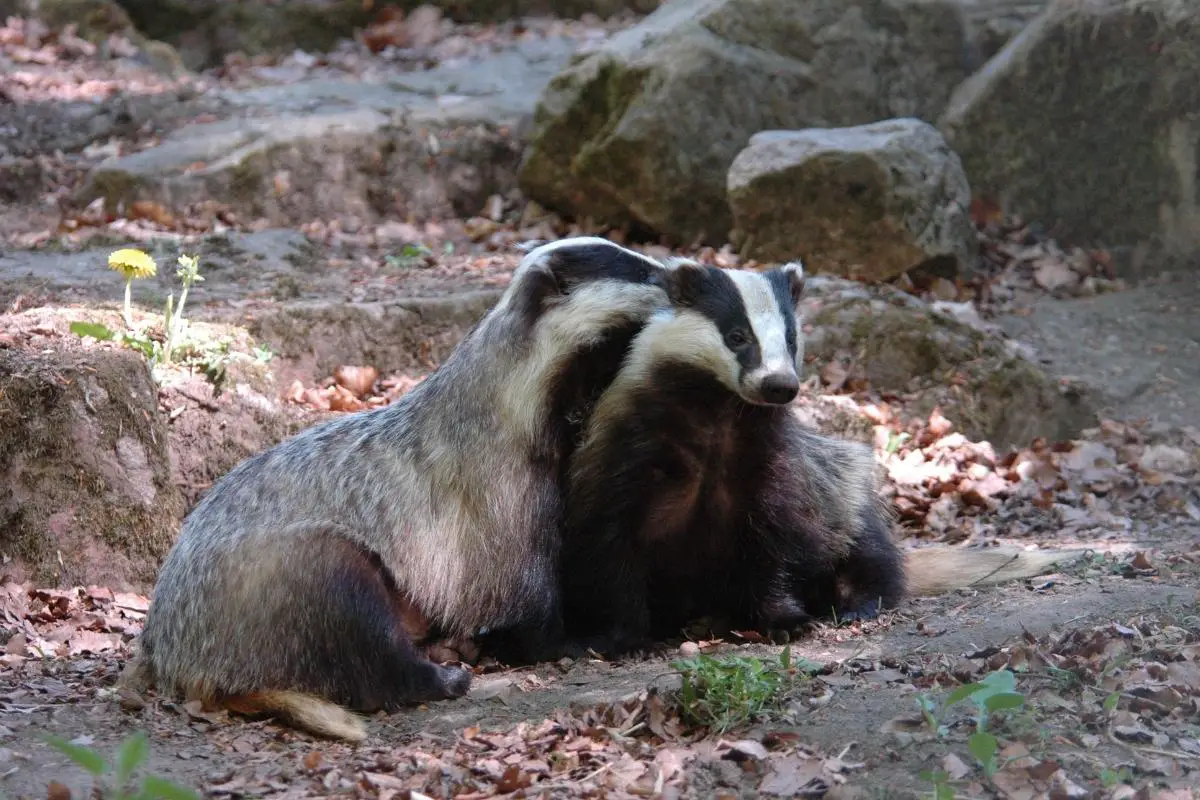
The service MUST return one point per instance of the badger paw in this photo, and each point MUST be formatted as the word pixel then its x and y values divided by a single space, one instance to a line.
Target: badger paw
pixel 455 682
pixel 860 612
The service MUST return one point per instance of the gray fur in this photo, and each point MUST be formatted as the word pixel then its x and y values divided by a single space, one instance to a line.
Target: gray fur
pixel 449 486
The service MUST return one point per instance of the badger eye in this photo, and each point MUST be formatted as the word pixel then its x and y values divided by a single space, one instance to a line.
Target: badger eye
pixel 736 339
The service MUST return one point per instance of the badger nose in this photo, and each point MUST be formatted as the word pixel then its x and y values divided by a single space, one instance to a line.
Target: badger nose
pixel 779 389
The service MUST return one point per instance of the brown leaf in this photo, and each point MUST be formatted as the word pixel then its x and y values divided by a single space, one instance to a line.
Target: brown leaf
pixel 377 780
pixel 984 211
pixel 627 770
pixel 795 775
pixel 834 375
pixel 512 779
pixel 133 602
pixel 1055 274
pixel 1042 770
pixel 342 399
pixel 17 644
pixel 1141 561
pixel 743 749
pixel 955 767
pixel 943 289
pixel 1015 784
pixel 358 380
pixel 939 425
pixel 670 762
pixel 92 642
pixel 195 709
pixel 146 209
pixel 243 745
pixel 665 726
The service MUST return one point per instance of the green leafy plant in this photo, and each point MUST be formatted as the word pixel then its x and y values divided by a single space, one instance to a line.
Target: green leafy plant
pixel 1109 777
pixel 725 693
pixel 411 255
pixel 188 273
pixel 941 784
pixel 995 692
pixel 928 707
pixel 176 346
pixel 113 780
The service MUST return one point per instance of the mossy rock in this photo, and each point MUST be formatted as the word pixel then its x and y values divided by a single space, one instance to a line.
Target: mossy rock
pixel 874 200
pixel 979 382
pixel 96 20
pixel 642 131
pixel 1086 122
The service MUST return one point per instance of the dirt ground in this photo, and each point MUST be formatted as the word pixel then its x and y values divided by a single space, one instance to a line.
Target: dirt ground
pixel 849 711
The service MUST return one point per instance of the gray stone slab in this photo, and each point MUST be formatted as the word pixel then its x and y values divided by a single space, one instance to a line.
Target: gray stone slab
pixel 422 144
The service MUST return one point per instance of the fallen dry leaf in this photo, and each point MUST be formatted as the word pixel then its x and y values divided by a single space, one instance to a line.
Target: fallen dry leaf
pixel 357 380
pixel 795 775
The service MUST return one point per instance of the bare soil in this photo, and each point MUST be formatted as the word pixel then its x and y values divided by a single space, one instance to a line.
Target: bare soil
pixel 879 671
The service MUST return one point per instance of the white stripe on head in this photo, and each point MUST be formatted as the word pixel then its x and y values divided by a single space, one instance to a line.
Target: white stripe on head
pixel 766 320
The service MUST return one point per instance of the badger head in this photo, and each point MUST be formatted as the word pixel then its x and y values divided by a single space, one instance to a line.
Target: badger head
pixel 743 326
pixel 549 272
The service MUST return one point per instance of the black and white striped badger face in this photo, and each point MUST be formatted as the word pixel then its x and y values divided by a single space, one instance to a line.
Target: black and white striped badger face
pixel 742 325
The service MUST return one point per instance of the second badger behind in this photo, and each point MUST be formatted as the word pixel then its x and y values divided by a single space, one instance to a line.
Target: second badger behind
pixel 697 491
pixel 285 588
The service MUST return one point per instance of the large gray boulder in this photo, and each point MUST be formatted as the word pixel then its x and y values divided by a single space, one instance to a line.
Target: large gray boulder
pixel 1087 123
pixel 867 202
pixel 642 130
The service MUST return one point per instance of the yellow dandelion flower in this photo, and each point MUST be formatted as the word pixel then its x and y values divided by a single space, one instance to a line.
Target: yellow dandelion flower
pixel 132 263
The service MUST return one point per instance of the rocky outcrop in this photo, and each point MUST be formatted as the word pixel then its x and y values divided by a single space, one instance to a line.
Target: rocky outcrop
pixel 436 143
pixel 642 131
pixel 897 343
pixel 86 491
pixel 867 202
pixel 96 20
pixel 205 31
pixel 1086 122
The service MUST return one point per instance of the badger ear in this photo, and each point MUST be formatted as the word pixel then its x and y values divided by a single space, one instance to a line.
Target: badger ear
pixel 686 281
pixel 794 270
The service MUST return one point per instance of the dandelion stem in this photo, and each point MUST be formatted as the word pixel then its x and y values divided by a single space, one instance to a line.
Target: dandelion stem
pixel 178 315
pixel 128 303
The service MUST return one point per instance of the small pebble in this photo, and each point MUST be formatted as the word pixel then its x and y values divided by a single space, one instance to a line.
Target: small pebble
pixel 689 649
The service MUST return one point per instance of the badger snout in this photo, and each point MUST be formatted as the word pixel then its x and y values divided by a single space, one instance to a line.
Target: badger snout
pixel 777 388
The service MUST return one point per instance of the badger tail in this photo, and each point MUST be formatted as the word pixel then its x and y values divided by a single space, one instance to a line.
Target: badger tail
pixel 935 570
pixel 305 711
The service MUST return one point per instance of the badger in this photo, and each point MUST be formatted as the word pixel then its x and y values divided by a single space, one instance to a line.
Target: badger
pixel 697 491
pixel 286 589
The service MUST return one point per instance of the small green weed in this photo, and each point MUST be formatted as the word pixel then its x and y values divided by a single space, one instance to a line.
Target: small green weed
pixel 1110 778
pixel 725 693
pixel 996 692
pixel 895 440
pixel 941 784
pixel 411 255
pixel 113 780
pixel 177 346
